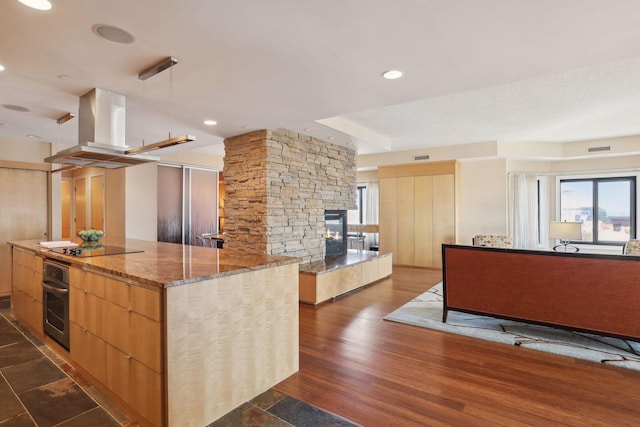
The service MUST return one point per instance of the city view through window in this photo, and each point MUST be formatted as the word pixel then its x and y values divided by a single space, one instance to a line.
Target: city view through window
pixel 604 206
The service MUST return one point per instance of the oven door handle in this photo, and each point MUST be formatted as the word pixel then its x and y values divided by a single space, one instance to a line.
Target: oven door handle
pixel 54 289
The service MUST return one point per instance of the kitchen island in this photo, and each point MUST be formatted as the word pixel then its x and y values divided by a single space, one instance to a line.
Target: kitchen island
pixel 178 335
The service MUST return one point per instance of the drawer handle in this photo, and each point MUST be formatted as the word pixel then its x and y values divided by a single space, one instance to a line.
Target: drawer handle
pixel 128 356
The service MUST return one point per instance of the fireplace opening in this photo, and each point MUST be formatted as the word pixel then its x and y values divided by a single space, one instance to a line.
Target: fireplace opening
pixel 335 223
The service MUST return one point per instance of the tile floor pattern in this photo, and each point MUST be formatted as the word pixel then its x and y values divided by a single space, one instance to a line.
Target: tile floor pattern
pixel 38 388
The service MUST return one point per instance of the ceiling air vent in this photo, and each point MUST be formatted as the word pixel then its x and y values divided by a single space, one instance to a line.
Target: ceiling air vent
pixel 596 149
pixel 425 157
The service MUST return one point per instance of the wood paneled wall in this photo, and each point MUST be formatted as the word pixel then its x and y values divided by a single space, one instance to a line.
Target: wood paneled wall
pixel 23 212
pixel 417 211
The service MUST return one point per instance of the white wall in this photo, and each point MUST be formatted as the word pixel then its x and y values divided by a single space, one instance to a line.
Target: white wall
pixel 141 202
pixel 482 199
pixel 195 158
pixel 23 150
pixel 455 152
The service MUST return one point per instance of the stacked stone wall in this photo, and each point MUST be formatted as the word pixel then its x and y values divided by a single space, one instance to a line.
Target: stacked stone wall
pixel 278 184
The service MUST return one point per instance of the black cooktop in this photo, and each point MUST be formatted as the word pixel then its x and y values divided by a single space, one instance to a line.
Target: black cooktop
pixel 95 250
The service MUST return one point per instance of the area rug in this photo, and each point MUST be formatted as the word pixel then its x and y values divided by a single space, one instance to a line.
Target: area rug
pixel 426 311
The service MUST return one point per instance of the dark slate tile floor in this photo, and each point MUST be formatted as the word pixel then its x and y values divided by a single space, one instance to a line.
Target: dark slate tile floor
pixel 274 409
pixel 39 389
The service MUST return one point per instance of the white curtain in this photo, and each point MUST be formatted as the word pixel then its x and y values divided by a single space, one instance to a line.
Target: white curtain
pixel 371 212
pixel 528 213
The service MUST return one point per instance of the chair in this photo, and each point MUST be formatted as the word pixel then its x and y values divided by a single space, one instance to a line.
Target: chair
pixel 631 247
pixel 493 241
pixel 210 240
pixel 205 239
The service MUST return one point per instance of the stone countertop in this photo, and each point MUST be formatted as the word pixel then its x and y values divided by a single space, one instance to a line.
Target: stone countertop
pixel 353 256
pixel 165 264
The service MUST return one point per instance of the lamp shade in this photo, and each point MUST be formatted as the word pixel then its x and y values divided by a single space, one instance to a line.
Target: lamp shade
pixel 565 230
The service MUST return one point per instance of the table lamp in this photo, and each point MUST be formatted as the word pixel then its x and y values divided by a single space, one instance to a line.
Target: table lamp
pixel 565 231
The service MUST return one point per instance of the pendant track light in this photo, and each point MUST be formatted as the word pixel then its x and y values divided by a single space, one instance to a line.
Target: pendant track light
pixel 144 75
pixel 158 68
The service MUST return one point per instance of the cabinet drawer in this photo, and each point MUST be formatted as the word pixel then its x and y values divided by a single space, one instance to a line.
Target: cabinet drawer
pixel 89 351
pixel 87 310
pixel 134 334
pixel 32 283
pixel 27 309
pixel 370 271
pixel 385 266
pixel 135 383
pixel 87 281
pixel 27 259
pixel 141 300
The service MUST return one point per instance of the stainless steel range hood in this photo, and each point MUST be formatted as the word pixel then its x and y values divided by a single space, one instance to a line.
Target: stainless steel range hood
pixel 101 134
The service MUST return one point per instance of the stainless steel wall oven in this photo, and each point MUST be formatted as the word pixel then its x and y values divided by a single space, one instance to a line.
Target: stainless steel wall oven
pixel 55 301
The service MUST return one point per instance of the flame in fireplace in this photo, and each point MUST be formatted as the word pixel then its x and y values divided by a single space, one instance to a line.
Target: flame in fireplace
pixel 330 236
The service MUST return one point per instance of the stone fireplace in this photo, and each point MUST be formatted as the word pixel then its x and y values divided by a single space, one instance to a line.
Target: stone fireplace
pixel 278 185
pixel 335 222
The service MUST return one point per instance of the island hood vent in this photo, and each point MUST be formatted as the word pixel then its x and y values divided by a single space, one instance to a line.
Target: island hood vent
pixel 101 135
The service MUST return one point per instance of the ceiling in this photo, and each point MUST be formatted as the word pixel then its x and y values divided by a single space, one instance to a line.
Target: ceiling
pixel 491 70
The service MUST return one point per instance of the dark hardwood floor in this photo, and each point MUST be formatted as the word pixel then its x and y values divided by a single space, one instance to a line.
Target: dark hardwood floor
pixel 379 373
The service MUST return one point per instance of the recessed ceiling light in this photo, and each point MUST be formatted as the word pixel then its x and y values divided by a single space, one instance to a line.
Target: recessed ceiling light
pixel 392 74
pixel 331 137
pixel 34 136
pixel 16 108
pixel 1 67
pixel 210 122
pixel 64 76
pixel 37 4
pixel 308 129
pixel 113 34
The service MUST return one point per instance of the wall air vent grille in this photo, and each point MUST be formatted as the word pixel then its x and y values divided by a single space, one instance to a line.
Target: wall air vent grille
pixel 425 157
pixel 596 149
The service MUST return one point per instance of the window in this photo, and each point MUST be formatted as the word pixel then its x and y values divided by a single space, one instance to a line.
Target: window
pixel 357 216
pixel 606 207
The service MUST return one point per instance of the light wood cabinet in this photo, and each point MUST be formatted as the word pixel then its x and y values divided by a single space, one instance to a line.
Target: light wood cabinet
pixel 406 220
pixel 26 296
pixel 88 350
pixel 424 230
pixel 142 340
pixel 388 220
pixel 135 383
pixel 87 318
pixel 116 336
pixel 417 211
pixel 174 355
pixel 320 286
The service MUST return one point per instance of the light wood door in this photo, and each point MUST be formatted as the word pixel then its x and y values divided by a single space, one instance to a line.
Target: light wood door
pixel 80 204
pixel 443 215
pixel 423 221
pixel 417 215
pixel 97 202
pixel 23 214
pixel 65 204
pixel 406 221
pixel 389 216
